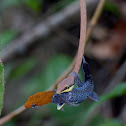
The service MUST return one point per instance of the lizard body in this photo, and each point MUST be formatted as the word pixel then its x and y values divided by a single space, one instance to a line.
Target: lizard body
pixel 82 92
pixel 71 96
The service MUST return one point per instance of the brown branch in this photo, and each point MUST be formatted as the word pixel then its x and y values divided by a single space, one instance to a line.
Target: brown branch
pixel 70 79
pixel 78 64
pixel 64 75
pixel 17 112
pixel 95 19
pixel 12 115
pixel 82 44
pixel 82 36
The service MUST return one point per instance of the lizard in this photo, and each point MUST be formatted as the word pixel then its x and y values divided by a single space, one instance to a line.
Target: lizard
pixel 82 92
pixel 71 96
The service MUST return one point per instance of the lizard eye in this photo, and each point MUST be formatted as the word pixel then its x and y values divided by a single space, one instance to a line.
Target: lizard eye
pixel 34 105
pixel 54 96
pixel 67 87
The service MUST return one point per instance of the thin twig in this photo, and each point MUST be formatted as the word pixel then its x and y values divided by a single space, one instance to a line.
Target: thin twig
pixel 17 112
pixel 91 26
pixel 95 19
pixel 12 115
pixel 82 36
pixel 70 79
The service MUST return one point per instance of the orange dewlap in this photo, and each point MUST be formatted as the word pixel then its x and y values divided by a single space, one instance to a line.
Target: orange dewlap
pixel 40 98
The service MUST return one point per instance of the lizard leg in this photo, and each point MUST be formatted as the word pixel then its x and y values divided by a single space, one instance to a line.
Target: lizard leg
pixel 76 78
pixel 94 96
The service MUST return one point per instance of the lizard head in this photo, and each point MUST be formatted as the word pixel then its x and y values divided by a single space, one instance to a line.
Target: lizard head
pixel 60 98
pixel 39 99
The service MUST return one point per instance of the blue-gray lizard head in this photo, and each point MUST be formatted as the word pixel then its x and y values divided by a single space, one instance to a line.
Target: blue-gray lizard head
pixel 60 98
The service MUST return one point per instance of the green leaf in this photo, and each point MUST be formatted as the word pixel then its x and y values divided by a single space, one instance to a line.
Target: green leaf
pixel 1 85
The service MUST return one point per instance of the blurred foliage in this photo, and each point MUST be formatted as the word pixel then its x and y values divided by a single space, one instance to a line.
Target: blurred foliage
pixel 7 3
pixel 112 122
pixel 45 79
pixel 23 69
pixel 48 76
pixel 112 7
pixel 35 5
pixel 7 36
pixel 1 85
pixel 119 90
pixel 76 115
pixel 61 4
pixel 8 69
